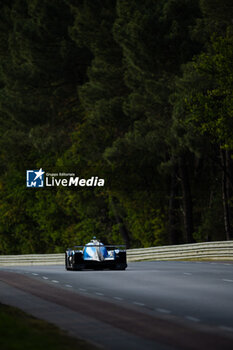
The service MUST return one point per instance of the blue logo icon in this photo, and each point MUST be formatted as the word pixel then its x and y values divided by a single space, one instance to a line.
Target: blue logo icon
pixel 35 178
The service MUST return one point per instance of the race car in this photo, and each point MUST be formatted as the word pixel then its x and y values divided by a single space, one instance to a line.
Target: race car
pixel 97 256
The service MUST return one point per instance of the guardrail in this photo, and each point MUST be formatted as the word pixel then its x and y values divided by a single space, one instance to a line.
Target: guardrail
pixel 200 251
pixel 196 251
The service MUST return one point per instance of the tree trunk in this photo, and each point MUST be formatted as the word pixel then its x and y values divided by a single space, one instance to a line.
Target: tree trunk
pixel 173 209
pixel 226 192
pixel 123 230
pixel 187 200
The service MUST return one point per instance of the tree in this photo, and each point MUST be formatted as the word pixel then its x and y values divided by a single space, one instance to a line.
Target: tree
pixel 102 96
pixel 211 109
pixel 40 69
pixel 204 101
pixel 149 34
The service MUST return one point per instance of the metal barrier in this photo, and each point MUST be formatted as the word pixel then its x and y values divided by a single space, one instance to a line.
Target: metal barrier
pixel 222 250
pixel 200 251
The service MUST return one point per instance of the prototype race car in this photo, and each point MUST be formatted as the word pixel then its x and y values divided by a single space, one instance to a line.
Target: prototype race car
pixel 97 256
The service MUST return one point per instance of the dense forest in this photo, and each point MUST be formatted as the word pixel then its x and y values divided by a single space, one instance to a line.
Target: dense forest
pixel 139 93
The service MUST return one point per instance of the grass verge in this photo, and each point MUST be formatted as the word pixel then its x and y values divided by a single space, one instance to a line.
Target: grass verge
pixel 20 331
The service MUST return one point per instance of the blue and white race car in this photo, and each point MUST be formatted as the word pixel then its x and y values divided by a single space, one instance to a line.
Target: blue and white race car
pixel 95 255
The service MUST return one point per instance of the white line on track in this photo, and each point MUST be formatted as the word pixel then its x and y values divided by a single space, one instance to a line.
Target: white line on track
pixel 227 264
pixel 68 286
pixel 164 311
pixel 225 328
pixel 117 298
pixel 225 280
pixel 187 273
pixel 97 293
pixel 137 303
pixel 45 278
pixel 54 281
pixel 35 274
pixel 193 319
pixel 82 289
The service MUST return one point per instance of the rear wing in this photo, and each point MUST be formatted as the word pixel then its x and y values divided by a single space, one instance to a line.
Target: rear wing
pixel 108 246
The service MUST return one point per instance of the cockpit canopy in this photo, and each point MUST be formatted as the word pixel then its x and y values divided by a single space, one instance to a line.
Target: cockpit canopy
pixel 95 250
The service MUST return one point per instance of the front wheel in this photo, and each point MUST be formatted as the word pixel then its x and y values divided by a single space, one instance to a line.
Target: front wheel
pixel 66 262
pixel 120 267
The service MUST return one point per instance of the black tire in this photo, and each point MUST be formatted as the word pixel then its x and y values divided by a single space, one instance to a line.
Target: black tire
pixel 66 265
pixel 72 264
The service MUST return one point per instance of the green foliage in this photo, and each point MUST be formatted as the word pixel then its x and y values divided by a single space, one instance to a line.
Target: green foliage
pixel 126 90
pixel 211 109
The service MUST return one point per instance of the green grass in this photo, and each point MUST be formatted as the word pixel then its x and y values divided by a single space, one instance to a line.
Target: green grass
pixel 19 331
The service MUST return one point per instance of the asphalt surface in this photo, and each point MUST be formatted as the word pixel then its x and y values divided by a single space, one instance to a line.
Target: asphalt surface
pixel 196 296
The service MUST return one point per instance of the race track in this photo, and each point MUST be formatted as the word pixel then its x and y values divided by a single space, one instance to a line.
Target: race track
pixel 190 298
